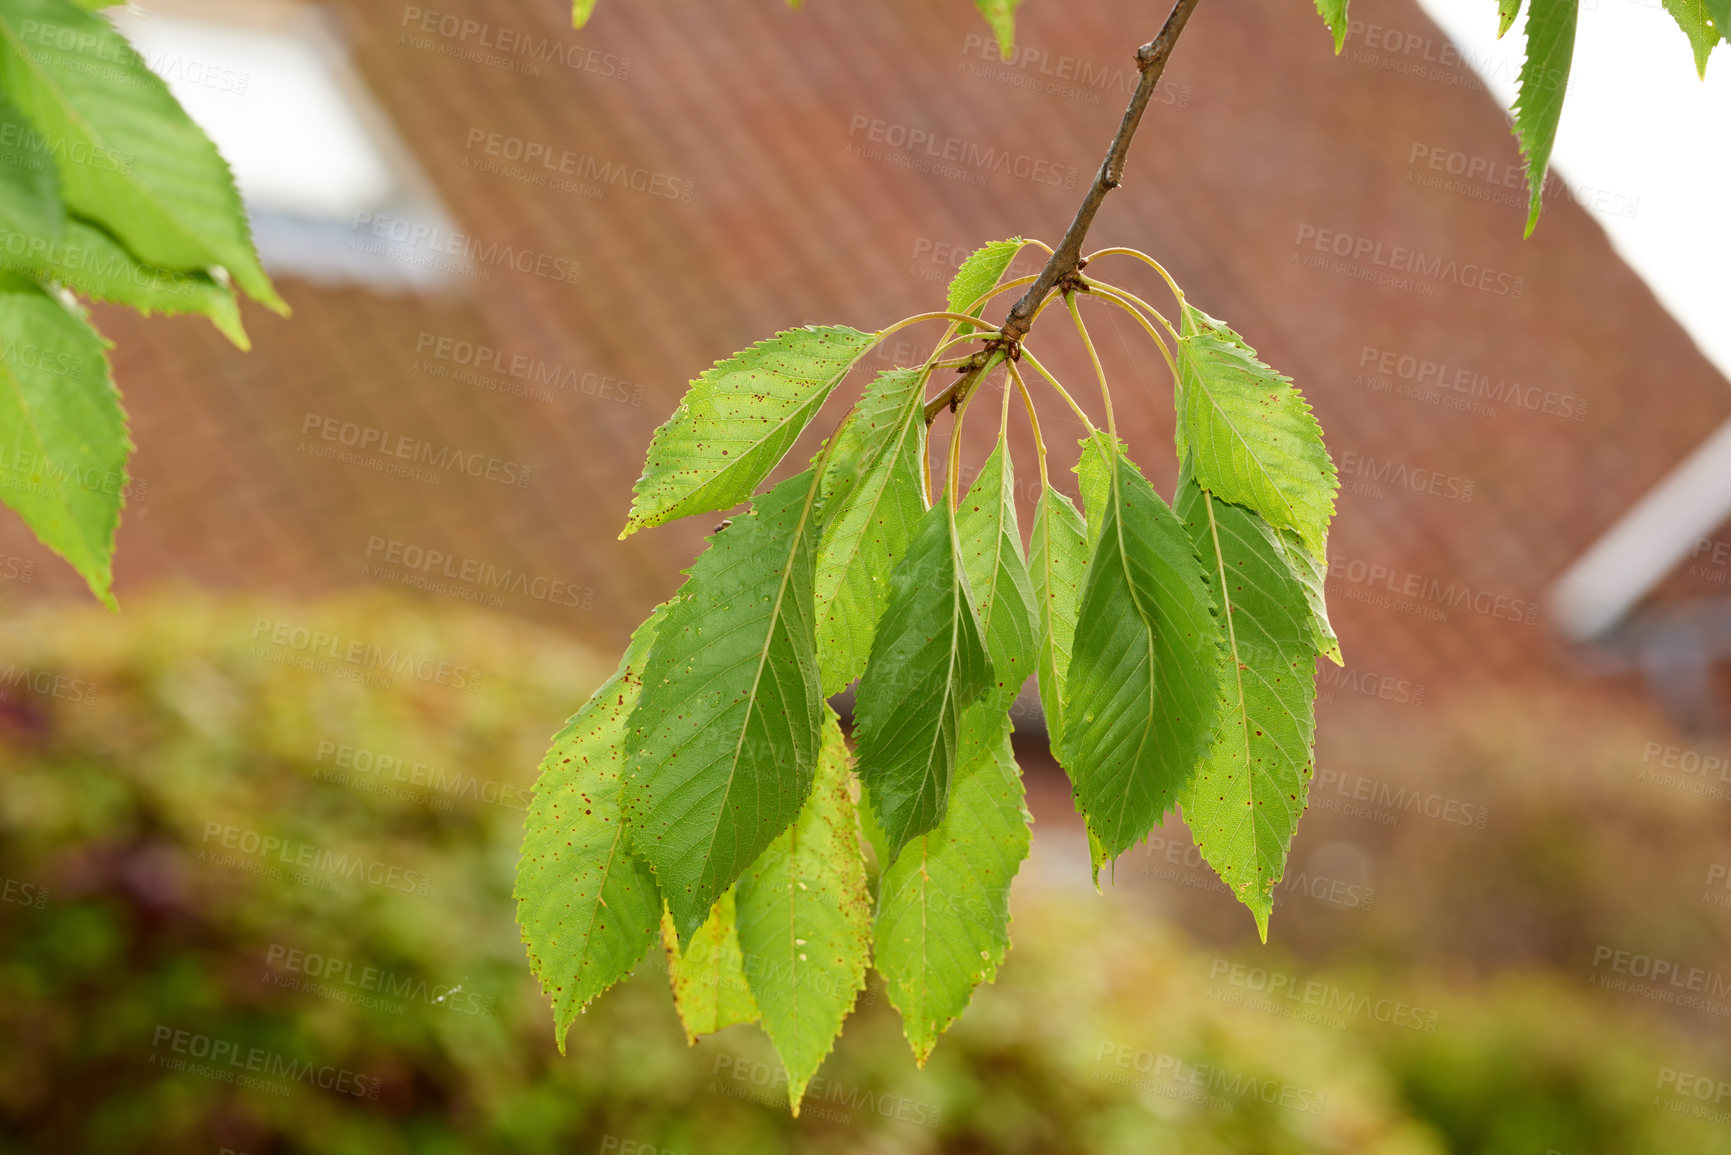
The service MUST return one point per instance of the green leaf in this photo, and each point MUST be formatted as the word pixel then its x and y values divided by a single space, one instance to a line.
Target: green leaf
pixel 1333 13
pixel 1094 479
pixel 1001 18
pixel 726 735
pixel 1507 10
pixel 738 420
pixel 1058 557
pixel 63 442
pixel 1697 20
pixel 1246 801
pixel 878 498
pixel 1312 578
pixel 943 921
pixel 587 904
pixel 1543 82
pixel 710 990
pixel 991 544
pixel 1248 432
pixel 29 185
pixel 93 263
pixel 980 274
pixel 129 157
pixel 1142 693
pixel 1265 447
pixel 1720 11
pixel 804 918
pixel 928 664
pixel 581 10
pixel 1094 482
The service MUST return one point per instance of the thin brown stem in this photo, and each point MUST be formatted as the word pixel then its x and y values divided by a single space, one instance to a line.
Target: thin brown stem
pixel 1066 259
pixel 958 390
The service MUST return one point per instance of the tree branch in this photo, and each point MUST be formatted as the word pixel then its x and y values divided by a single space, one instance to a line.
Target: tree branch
pixel 1066 258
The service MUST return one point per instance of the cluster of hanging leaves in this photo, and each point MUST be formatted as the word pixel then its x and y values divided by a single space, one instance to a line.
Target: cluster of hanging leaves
pixel 1544 78
pixel 706 796
pixel 108 192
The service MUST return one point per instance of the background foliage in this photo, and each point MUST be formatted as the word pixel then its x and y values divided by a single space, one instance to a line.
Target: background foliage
pixel 172 719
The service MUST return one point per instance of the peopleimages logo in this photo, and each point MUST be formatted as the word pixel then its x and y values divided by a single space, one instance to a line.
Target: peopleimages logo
pixel 1389 587
pixel 433 241
pixel 1657 970
pixel 1703 1087
pixel 305 855
pixel 1372 474
pixel 402 447
pixel 557 161
pixel 56 149
pixel 381 767
pixel 96 270
pixel 322 969
pixel 1222 1080
pixel 1718 879
pixel 1341 1002
pixel 1399 258
pixel 1396 800
pixel 1498 182
pixel 617 1145
pixel 926 144
pixel 1349 680
pixel 532 371
pixel 1688 771
pixel 512 49
pixel 1065 76
pixel 1469 383
pixel 467 569
pixel 48 683
pixel 824 1098
pixel 365 655
pixel 1408 262
pixel 230 1062
pixel 23 893
pixel 40 472
pixel 28 355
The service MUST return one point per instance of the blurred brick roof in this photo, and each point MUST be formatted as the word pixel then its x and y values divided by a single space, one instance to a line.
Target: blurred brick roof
pixel 1262 145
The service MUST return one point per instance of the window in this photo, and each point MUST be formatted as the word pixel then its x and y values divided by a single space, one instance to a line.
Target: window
pixel 315 158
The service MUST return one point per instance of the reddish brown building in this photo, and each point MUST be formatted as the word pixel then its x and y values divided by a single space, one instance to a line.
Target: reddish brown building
pixel 615 209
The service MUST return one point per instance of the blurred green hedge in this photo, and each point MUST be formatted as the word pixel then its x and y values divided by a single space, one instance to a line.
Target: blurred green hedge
pixel 256 863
